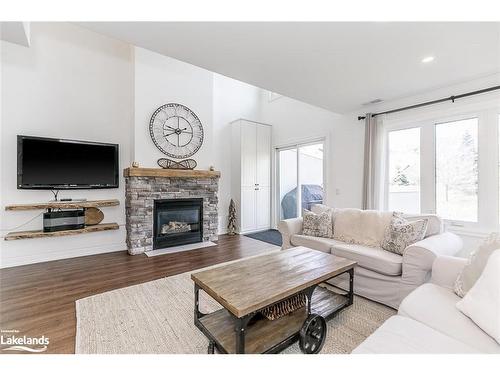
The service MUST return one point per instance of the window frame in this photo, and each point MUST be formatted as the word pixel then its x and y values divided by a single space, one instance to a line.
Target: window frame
pixel 487 113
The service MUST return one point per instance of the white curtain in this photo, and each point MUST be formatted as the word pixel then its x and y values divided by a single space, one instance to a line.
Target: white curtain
pixel 374 164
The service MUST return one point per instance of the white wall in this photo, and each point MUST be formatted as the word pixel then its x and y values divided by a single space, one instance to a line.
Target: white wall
pixel 216 100
pixel 295 121
pixel 71 83
pixel 159 80
pixel 231 100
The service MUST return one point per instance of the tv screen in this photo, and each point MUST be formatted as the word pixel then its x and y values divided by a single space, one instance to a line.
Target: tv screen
pixel 47 163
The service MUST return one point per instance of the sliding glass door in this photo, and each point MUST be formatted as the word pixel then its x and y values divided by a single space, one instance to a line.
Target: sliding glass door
pixel 300 165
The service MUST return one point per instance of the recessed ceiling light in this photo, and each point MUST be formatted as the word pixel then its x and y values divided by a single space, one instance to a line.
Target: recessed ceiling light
pixel 428 59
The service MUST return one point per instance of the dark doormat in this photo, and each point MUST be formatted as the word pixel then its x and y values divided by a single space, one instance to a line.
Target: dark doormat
pixel 271 236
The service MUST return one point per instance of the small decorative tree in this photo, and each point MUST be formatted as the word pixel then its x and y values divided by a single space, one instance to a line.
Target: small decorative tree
pixel 231 221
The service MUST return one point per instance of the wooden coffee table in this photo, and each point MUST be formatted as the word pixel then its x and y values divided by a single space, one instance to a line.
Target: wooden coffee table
pixel 247 286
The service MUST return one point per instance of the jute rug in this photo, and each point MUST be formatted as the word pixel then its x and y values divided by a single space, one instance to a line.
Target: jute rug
pixel 157 317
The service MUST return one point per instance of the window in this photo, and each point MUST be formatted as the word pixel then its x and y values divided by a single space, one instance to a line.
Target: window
pixel 445 160
pixel 404 170
pixel 300 165
pixel 457 170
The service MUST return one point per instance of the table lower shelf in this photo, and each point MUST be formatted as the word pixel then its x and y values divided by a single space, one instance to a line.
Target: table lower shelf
pixel 41 234
pixel 263 335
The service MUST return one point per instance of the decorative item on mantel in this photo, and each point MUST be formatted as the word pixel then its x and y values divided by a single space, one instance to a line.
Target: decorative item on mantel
pixel 135 164
pixel 231 221
pixel 172 164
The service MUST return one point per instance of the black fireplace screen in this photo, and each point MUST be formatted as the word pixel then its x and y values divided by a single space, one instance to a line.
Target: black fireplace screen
pixel 177 222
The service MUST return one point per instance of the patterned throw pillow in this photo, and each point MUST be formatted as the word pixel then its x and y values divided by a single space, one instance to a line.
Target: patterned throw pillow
pixel 475 266
pixel 317 225
pixel 401 233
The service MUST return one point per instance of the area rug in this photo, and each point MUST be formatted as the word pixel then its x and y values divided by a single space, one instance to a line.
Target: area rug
pixel 271 236
pixel 157 317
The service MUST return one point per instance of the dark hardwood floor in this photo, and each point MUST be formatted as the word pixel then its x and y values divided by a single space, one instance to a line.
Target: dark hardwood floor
pixel 39 299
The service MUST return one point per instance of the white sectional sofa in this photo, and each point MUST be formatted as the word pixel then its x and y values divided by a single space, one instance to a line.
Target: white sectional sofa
pixel 380 275
pixel 429 322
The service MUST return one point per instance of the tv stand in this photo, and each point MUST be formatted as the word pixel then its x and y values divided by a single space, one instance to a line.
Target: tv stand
pixel 62 205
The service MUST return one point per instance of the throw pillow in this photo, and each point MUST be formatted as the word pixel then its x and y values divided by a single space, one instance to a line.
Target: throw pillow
pixel 482 302
pixel 317 225
pixel 477 261
pixel 401 233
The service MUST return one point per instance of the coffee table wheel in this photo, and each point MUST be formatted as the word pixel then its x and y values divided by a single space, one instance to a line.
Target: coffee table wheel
pixel 312 334
pixel 211 347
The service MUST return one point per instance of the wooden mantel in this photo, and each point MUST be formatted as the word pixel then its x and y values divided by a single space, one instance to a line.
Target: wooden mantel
pixel 160 172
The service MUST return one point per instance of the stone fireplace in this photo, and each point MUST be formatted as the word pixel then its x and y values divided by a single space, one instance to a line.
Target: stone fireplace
pixel 167 207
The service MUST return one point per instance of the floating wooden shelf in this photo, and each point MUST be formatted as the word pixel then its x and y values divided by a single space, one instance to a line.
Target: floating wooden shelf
pixel 40 234
pixel 64 205
pixel 160 172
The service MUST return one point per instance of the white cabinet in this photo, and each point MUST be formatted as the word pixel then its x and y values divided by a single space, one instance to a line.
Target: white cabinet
pixel 263 207
pixel 251 175
pixel 248 219
pixel 248 154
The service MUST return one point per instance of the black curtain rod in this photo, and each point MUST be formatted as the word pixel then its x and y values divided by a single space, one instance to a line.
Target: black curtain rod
pixel 450 98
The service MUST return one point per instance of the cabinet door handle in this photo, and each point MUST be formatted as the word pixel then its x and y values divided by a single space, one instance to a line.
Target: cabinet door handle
pixel 256 184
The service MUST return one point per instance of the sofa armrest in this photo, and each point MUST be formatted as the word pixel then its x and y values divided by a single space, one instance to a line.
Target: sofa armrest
pixel 446 269
pixel 288 228
pixel 419 258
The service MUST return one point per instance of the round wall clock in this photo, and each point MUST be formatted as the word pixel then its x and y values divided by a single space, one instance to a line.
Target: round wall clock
pixel 176 130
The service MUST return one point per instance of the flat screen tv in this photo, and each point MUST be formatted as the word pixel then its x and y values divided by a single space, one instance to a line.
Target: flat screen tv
pixel 48 163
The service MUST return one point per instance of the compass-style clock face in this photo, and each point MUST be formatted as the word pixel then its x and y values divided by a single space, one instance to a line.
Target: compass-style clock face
pixel 176 130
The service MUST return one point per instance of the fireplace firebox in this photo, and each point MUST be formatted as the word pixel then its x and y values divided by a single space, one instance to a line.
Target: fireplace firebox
pixel 177 222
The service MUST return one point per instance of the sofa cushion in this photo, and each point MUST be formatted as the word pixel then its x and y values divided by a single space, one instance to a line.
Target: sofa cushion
pixel 316 243
pixel 364 227
pixel 399 335
pixel 435 306
pixel 482 302
pixel 475 266
pixel 372 258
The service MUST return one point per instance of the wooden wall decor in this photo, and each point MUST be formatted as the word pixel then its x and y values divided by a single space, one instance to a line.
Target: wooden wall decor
pixel 172 164
pixel 93 216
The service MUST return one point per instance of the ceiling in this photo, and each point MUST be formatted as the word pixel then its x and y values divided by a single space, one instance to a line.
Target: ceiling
pixel 15 32
pixel 334 65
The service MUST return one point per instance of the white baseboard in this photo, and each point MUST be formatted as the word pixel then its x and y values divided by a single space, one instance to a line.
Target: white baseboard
pixel 14 261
